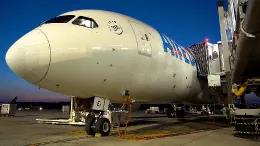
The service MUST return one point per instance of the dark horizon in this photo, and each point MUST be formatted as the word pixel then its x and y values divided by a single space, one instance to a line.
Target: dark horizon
pixel 250 99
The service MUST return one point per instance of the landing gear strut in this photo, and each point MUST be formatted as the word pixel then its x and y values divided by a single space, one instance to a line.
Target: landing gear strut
pixel 171 112
pixel 175 111
pixel 180 112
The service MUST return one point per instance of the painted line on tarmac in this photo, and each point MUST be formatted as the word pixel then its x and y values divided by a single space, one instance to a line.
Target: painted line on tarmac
pixel 75 132
pixel 131 137
pixel 60 141
pixel 162 134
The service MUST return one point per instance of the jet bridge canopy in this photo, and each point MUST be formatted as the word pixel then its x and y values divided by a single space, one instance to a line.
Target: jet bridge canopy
pixel 207 58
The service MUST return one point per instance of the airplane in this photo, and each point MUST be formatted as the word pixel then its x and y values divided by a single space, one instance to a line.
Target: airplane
pixel 107 56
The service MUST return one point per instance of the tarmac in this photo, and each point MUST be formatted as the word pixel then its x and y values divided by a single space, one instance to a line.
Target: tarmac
pixel 143 129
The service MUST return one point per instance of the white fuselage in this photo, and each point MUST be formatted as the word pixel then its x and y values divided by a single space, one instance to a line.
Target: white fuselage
pixel 120 54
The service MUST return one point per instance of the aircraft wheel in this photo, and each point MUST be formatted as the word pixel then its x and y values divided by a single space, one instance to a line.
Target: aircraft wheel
pixel 89 122
pixel 180 113
pixel 202 113
pixel 103 126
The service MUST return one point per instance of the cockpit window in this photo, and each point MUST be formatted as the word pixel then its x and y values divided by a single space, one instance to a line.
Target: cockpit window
pixel 60 19
pixel 85 21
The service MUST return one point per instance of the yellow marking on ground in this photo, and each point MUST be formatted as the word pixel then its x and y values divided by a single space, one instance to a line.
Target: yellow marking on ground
pixel 59 141
pixel 161 134
pixel 98 135
pixel 76 132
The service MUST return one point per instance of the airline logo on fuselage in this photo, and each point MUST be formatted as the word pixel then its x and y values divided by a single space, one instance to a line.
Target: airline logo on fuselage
pixel 176 50
pixel 115 27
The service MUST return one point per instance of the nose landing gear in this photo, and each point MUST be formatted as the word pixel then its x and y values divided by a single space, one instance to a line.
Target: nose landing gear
pixel 97 125
pixel 95 122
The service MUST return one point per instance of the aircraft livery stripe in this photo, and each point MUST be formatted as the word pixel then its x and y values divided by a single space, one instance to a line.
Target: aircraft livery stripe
pixel 165 43
pixel 185 55
pixel 174 47
pixel 171 46
pixel 176 50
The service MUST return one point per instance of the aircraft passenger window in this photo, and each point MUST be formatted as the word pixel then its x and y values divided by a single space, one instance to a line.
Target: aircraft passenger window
pixel 85 21
pixel 60 19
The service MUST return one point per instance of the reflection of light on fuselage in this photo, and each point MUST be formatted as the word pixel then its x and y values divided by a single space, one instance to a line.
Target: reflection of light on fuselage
pixel 85 23
pixel 96 48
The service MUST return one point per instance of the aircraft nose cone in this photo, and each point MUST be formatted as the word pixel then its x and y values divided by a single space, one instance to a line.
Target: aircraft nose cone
pixel 12 56
pixel 29 57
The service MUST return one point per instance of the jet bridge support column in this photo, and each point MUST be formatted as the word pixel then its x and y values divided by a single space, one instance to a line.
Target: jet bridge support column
pixel 176 110
pixel 225 51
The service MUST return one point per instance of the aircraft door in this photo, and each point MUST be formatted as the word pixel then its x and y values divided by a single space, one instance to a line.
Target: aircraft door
pixel 142 39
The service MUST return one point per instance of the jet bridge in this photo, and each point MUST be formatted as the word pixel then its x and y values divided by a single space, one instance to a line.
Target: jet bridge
pixel 207 57
pixel 240 29
pixel 209 63
pixel 245 51
pixel 233 63
pixel 237 56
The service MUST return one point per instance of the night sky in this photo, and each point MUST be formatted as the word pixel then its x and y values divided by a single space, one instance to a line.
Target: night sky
pixel 185 21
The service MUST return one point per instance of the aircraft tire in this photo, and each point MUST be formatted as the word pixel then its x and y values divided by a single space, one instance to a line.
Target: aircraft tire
pixel 103 126
pixel 89 121
pixel 180 113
